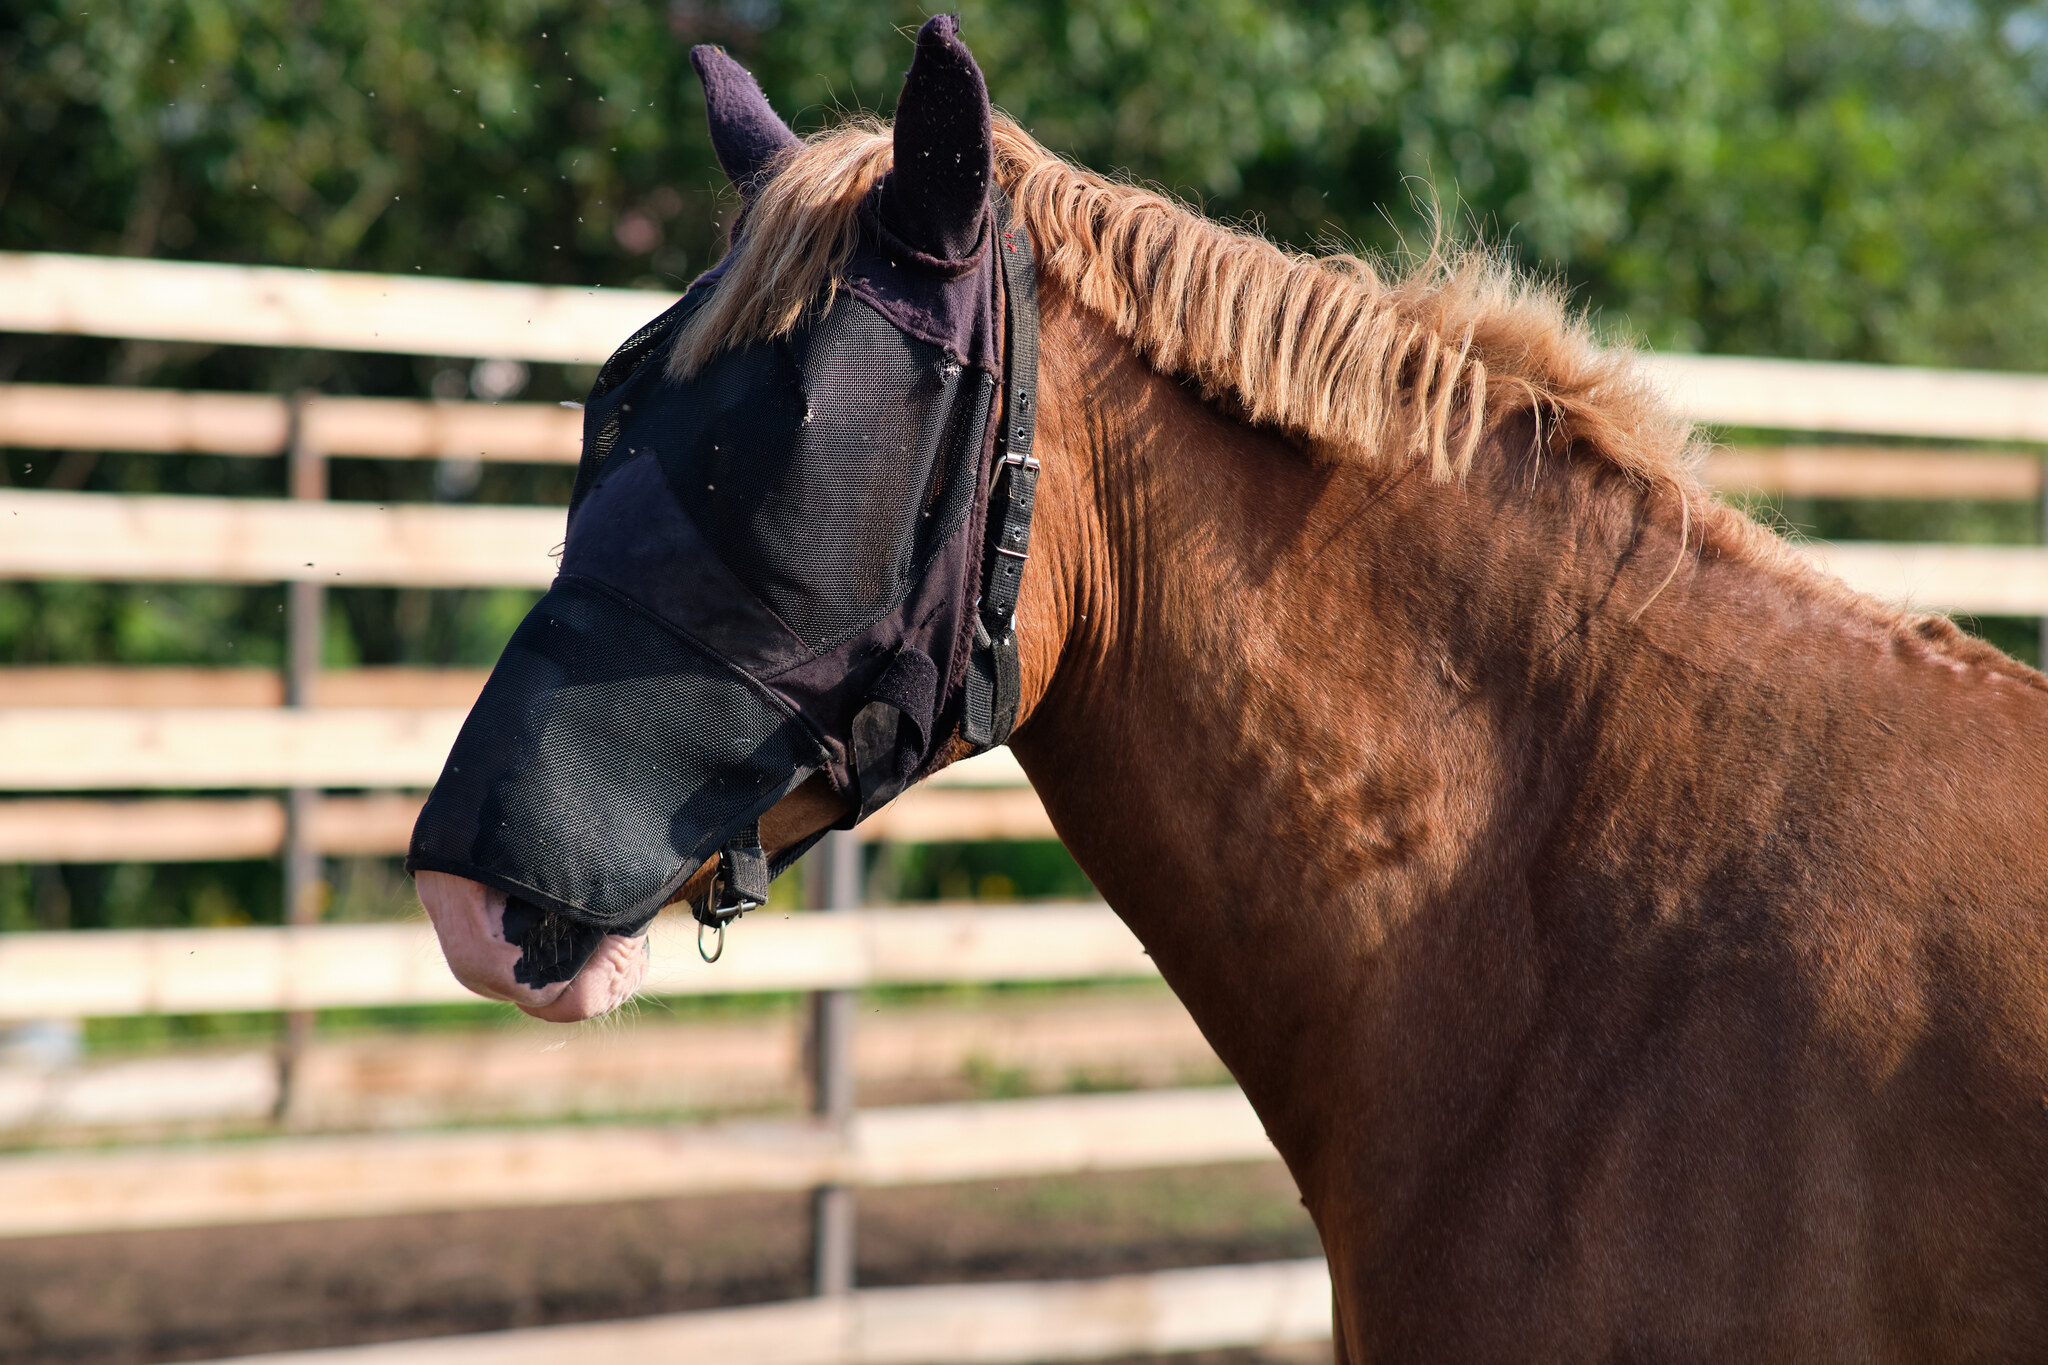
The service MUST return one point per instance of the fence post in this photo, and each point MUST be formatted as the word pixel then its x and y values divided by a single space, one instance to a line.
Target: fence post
pixel 305 614
pixel 832 880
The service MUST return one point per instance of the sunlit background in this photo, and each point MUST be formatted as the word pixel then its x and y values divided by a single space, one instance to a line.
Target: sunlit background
pixel 1864 180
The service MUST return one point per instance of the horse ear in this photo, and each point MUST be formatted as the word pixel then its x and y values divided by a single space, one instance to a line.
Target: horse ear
pixel 746 133
pixel 944 152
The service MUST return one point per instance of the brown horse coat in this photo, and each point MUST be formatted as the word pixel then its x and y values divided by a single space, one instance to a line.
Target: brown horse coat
pixel 1626 969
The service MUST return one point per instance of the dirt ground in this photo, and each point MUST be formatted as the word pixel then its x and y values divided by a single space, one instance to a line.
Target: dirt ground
pixel 125 1299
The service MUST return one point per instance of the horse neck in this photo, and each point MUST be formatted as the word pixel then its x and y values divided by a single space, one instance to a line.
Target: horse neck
pixel 1307 726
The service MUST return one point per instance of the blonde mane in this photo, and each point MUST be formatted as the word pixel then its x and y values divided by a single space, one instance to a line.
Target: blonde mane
pixel 1326 347
pixel 1322 346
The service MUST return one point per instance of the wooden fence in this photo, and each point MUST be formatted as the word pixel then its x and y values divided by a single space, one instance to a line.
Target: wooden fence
pixel 68 737
pixel 983 1324
pixel 110 973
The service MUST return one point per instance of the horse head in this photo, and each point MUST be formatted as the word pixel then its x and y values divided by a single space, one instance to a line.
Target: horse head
pixel 791 569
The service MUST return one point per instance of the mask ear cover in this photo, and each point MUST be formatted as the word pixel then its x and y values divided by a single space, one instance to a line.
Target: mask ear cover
pixel 892 731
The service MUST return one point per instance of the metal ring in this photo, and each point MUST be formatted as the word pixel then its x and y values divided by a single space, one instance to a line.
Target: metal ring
pixel 710 957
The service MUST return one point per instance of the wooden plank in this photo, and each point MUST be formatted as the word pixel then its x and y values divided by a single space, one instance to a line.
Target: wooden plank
pixel 200 971
pixel 932 1143
pixel 193 748
pixel 151 538
pixel 1986 580
pixel 289 1179
pixel 331 310
pixel 1876 472
pixel 87 831
pixel 528 433
pixel 812 1331
pixel 1041 942
pixel 1060 941
pixel 996 768
pixel 127 1189
pixel 210 829
pixel 1138 1036
pixel 202 829
pixel 949 814
pixel 116 685
pixel 415 315
pixel 79 417
pixel 92 973
pixel 90 685
pixel 1158 1312
pixel 1889 400
pixel 211 1088
pixel 84 748
pixel 82 417
pixel 107 417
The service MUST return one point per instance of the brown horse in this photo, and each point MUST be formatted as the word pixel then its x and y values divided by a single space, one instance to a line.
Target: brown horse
pixel 1635 942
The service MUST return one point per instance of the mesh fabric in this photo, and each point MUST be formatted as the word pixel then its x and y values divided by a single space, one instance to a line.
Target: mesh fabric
pixel 599 443
pixel 603 761
pixel 825 468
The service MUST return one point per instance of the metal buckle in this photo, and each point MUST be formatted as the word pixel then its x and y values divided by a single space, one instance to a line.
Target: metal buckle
pixel 721 906
pixel 715 953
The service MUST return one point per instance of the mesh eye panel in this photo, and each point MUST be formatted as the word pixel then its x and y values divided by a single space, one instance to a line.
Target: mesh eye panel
pixel 824 470
pixel 603 753
pixel 597 448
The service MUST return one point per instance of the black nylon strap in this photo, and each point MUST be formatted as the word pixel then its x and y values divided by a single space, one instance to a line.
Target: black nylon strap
pixel 741 882
pixel 994 680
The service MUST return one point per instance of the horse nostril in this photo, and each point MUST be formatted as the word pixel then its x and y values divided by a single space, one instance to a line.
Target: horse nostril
pixel 553 947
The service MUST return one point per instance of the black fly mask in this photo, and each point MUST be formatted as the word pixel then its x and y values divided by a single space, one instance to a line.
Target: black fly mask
pixel 804 559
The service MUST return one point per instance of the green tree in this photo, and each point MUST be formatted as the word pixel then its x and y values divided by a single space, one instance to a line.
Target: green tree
pixel 1800 178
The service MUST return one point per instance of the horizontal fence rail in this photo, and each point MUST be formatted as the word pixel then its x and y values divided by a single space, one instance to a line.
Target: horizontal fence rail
pixel 88 747
pixel 79 748
pixel 153 687
pixel 342 310
pixel 213 829
pixel 291 1179
pixel 1876 400
pixel 221 829
pixel 331 310
pixel 1132 1035
pixel 95 417
pixel 1978 580
pixel 1875 472
pixel 150 538
pixel 88 973
pixel 1162 1312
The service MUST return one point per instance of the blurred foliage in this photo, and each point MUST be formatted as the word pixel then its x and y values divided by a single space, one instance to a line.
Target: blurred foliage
pixel 1863 180
pixel 1033 870
pixel 1809 178
pixel 137 895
